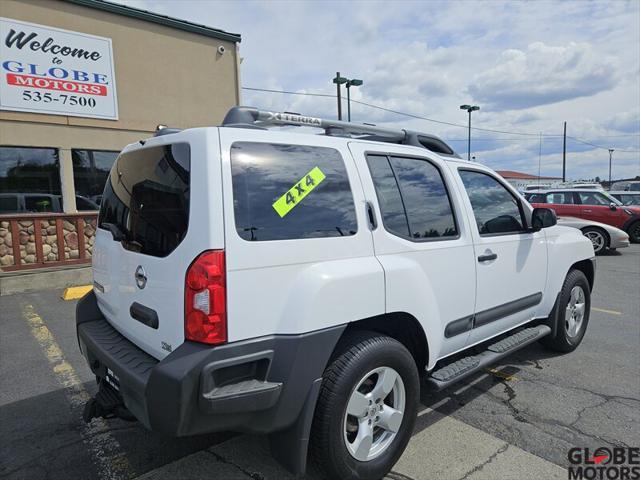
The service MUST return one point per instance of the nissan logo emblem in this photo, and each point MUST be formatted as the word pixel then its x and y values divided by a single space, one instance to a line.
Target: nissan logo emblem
pixel 141 277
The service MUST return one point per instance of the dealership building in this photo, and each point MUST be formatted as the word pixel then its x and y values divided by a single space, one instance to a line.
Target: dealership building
pixel 79 80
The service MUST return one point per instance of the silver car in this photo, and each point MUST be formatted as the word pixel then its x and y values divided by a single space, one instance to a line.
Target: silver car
pixel 629 199
pixel 603 237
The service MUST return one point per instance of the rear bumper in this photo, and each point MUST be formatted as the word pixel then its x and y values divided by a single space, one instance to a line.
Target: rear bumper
pixel 258 386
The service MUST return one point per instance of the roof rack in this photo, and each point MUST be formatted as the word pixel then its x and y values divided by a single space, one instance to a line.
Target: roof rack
pixel 248 117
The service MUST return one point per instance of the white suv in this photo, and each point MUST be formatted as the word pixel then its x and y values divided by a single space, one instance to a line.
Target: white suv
pixel 300 285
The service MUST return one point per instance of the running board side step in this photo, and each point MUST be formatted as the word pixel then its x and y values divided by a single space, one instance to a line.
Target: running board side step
pixel 460 369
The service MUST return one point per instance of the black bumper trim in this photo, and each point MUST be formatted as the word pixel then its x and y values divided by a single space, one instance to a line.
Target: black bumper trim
pixel 257 386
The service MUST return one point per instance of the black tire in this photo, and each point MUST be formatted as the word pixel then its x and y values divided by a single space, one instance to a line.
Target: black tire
pixel 634 232
pixel 563 341
pixel 595 233
pixel 361 353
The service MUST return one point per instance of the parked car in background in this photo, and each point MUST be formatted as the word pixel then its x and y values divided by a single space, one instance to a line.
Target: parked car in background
pixel 590 205
pixel 627 186
pixel 627 198
pixel 40 202
pixel 603 237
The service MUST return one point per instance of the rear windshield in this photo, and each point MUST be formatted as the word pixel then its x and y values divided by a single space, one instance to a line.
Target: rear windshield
pixel 146 199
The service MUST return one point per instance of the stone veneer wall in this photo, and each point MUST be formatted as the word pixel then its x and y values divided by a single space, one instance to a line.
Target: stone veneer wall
pixel 27 242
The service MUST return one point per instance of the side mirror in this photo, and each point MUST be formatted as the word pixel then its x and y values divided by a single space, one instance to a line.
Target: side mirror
pixel 613 206
pixel 543 218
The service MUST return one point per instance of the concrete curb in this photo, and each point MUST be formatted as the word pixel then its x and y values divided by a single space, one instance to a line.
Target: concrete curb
pixel 12 283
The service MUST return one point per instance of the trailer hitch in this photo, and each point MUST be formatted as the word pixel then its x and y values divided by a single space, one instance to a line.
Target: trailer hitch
pixel 106 404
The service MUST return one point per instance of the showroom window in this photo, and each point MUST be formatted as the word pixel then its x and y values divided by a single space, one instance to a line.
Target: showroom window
pixel 27 173
pixel 90 172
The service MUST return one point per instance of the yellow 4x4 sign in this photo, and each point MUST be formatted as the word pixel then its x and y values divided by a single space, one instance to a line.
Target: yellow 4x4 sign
pixel 297 193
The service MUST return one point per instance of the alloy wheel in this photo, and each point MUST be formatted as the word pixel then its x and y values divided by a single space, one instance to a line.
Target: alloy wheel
pixel 374 413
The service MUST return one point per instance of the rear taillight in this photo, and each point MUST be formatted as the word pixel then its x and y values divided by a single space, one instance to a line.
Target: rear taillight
pixel 205 299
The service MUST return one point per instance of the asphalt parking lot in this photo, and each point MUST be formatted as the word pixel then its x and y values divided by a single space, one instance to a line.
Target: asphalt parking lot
pixel 517 420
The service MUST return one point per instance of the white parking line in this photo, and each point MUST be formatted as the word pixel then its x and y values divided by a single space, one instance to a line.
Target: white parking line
pixel 105 451
pixel 603 310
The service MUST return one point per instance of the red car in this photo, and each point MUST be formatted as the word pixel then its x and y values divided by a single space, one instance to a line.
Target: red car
pixel 592 205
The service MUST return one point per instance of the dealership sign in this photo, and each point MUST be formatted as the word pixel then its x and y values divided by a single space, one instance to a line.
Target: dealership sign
pixel 56 72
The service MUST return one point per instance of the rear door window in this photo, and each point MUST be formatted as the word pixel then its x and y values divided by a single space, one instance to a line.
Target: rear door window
pixel 561 198
pixel 146 198
pixel 283 191
pixel 413 199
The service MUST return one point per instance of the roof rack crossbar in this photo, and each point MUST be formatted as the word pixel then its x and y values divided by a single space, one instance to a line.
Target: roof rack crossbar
pixel 244 116
pixel 248 117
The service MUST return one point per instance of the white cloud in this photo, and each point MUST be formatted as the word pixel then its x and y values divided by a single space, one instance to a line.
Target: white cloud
pixel 544 74
pixel 529 65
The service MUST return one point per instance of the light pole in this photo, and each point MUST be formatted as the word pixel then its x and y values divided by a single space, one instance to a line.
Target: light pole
pixel 355 83
pixel 338 80
pixel 611 150
pixel 469 109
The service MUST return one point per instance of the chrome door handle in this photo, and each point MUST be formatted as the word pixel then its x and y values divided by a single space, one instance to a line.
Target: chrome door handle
pixel 587 211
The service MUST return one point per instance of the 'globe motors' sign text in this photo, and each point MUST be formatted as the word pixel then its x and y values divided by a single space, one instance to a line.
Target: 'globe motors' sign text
pixel 57 72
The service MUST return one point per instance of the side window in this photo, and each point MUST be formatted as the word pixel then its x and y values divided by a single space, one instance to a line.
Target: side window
pixel 496 210
pixel 562 198
pixel 283 192
pixel 593 198
pixel 413 199
pixel 536 198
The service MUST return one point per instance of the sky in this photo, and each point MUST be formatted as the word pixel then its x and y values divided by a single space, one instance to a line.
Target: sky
pixel 530 66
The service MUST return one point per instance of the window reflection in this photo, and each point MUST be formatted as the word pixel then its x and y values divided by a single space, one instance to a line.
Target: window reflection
pixel 264 172
pixel 495 209
pixel 29 180
pixel 90 172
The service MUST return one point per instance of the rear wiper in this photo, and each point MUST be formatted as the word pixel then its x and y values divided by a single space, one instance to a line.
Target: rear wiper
pixel 117 234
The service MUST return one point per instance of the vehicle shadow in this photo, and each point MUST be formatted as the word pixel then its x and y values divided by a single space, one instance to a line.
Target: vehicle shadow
pixel 44 437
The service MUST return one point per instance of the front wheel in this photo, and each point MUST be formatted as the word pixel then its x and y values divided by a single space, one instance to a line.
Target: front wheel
pixel 366 409
pixel 571 313
pixel 634 232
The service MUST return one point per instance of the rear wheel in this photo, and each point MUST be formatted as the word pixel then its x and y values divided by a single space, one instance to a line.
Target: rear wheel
pixel 634 232
pixel 366 409
pixel 599 239
pixel 571 313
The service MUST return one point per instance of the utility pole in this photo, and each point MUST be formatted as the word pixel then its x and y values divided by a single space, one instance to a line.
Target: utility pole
pixel 539 156
pixel 564 154
pixel 338 80
pixel 611 150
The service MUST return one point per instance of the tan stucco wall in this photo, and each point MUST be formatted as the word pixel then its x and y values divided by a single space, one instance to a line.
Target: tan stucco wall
pixel 163 76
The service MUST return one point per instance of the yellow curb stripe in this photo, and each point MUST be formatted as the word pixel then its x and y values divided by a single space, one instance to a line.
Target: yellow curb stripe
pixel 74 293
pixel 603 310
pixel 104 449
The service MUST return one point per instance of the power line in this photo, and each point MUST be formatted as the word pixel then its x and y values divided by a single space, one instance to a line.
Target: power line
pixel 397 112
pixel 600 146
pixel 441 122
